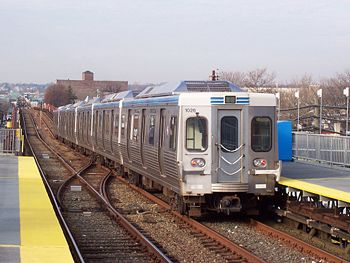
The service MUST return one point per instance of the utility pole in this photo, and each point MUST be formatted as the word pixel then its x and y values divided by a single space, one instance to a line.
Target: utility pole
pixel 214 76
pixel 319 93
pixel 278 96
pixel 346 93
pixel 297 95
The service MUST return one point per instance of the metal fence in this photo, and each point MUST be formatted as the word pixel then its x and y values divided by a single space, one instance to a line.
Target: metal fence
pixel 10 141
pixel 328 149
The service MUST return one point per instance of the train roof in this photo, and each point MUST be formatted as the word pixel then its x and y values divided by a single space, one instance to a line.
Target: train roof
pixel 208 93
pixel 118 96
pixel 168 89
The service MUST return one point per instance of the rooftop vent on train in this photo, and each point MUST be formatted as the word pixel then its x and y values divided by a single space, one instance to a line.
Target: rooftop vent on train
pixel 168 89
pixel 118 96
pixel 207 86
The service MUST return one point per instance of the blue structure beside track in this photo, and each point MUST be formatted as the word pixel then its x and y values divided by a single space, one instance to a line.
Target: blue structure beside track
pixel 284 140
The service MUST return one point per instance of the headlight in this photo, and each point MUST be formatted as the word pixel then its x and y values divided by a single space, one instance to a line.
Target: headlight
pixel 198 162
pixel 260 163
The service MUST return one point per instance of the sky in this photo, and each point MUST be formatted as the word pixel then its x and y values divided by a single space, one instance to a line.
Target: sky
pixel 163 40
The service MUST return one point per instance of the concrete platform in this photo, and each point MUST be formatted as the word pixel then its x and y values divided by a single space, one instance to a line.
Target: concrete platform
pixel 329 182
pixel 29 229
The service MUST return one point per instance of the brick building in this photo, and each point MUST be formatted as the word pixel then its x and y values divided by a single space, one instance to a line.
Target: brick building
pixel 88 86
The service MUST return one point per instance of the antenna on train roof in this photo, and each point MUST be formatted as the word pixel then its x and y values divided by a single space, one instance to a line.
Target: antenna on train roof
pixel 214 76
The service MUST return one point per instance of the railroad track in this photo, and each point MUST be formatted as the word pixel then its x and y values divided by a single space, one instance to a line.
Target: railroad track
pixel 177 234
pixel 267 242
pixel 140 249
pixel 100 238
pixel 40 152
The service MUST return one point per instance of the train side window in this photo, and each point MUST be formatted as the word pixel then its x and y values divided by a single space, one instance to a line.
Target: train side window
pixel 111 125
pixel 116 125
pixel 101 121
pixel 152 124
pixel 229 133
pixel 123 126
pixel 96 124
pixel 135 128
pixel 173 133
pixel 106 124
pixel 82 123
pixel 196 134
pixel 261 133
pixel 88 125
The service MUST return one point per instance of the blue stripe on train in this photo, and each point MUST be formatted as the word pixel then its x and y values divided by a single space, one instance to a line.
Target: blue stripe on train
pixel 217 100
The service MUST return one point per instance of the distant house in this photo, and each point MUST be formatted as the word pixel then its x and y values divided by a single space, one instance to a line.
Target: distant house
pixel 89 87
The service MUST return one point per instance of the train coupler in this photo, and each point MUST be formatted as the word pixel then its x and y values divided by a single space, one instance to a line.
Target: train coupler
pixel 230 204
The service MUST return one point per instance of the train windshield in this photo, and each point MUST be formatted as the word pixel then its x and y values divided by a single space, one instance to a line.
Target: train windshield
pixel 196 134
pixel 261 134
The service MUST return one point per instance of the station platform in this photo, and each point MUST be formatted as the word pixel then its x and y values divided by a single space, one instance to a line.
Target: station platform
pixel 29 228
pixel 332 183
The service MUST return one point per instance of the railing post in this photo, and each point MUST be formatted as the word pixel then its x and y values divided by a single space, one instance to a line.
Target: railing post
pixel 297 145
pixel 307 146
pixel 318 150
pixel 331 151
pixel 346 147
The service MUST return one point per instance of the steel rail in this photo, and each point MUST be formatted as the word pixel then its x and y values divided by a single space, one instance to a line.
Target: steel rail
pixel 151 248
pixel 234 248
pixel 303 246
pixel 50 192
pixel 68 180
pixel 47 125
pixel 103 186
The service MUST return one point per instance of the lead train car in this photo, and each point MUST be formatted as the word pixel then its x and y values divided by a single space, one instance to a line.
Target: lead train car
pixel 206 144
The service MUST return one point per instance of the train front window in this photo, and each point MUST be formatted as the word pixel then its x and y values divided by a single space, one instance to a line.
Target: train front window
pixel 196 134
pixel 261 134
pixel 229 133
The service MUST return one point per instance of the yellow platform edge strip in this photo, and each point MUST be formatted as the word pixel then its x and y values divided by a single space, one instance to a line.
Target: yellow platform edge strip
pixel 316 189
pixel 42 239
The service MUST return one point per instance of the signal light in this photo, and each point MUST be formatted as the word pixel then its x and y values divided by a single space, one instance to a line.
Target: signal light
pixel 198 162
pixel 261 163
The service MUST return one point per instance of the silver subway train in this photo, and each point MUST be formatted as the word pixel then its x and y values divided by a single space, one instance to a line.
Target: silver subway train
pixel 208 145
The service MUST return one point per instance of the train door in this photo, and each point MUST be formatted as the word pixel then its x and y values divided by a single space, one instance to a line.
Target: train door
pixel 161 141
pixel 128 132
pixel 230 152
pixel 143 128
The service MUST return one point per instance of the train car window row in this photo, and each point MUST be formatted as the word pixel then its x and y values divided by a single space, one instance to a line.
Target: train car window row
pixel 261 134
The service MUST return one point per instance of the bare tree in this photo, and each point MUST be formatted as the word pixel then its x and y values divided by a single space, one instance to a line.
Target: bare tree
pixel 236 77
pixel 58 95
pixel 259 78
pixel 254 80
pixel 333 88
